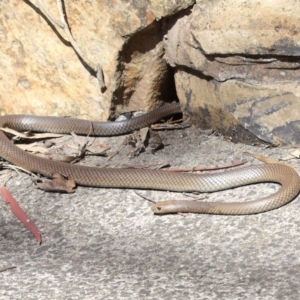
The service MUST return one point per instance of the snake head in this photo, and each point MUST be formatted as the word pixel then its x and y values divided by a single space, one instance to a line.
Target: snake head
pixel 165 207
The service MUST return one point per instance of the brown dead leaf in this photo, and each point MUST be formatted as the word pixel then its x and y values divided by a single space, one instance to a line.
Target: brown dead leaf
pixel 177 124
pixel 20 214
pixel 91 150
pixel 89 146
pixel 53 155
pixel 59 183
pixel 48 143
pixel 63 157
pixel 97 148
pixel 137 141
pixel 143 132
pixel 66 150
pixel 155 141
pixel 31 135
pixel 33 148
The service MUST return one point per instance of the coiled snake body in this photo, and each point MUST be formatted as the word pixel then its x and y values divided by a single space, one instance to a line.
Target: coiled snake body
pixel 149 179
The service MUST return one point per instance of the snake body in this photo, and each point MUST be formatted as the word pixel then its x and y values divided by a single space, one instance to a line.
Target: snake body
pixel 149 179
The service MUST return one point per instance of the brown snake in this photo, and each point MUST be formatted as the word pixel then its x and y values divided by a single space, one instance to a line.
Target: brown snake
pixel 149 179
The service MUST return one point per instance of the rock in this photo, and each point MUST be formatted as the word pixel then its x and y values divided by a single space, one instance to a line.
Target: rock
pixel 42 75
pixel 237 68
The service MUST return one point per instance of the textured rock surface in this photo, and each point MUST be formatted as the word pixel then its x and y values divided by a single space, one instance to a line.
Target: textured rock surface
pixel 237 64
pixel 251 27
pixel 41 74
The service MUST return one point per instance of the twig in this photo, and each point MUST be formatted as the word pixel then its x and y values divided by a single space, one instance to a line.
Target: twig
pixel 100 77
pixel 16 168
pixel 63 25
pixel 6 269
pixel 49 16
pixel 117 151
pixel 6 178
pixel 148 199
pixel 177 124
pixel 152 201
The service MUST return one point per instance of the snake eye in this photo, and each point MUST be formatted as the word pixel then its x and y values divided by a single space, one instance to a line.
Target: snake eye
pixel 158 208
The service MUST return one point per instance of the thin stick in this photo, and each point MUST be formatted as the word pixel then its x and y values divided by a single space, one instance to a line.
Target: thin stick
pixel 148 199
pixel 95 67
pixel 16 168
pixel 152 201
pixel 6 269
pixel 49 16
pixel 63 25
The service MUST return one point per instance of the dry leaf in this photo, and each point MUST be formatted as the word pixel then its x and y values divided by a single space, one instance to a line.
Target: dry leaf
pixel 97 148
pixel 64 158
pixel 89 146
pixel 31 136
pixel 143 132
pixel 50 154
pixel 177 124
pixel 137 141
pixel 58 183
pixel 20 214
pixel 295 152
pixel 33 148
pixel 155 141
pixel 91 150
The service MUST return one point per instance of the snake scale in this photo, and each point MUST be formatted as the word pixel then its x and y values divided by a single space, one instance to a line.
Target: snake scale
pixel 149 179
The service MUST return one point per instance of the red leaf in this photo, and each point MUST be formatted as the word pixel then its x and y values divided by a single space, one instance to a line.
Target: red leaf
pixel 20 214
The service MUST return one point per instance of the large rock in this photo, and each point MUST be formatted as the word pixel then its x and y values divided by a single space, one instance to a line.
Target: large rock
pixel 41 74
pixel 237 69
